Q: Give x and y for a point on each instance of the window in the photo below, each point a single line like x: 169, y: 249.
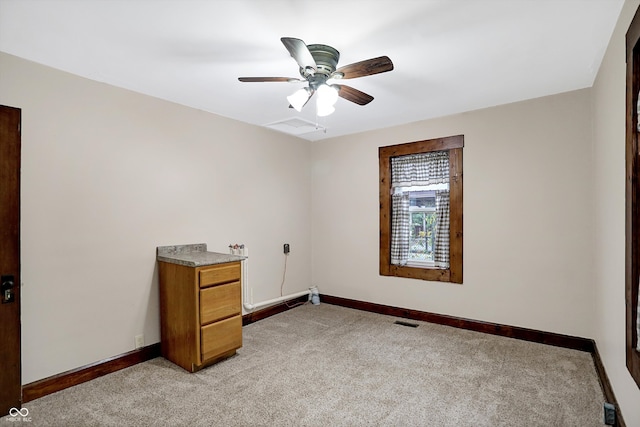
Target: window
x: 632, y: 195
x: 421, y: 209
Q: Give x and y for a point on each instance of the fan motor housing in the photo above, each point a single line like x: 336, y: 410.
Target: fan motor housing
x: 326, y: 59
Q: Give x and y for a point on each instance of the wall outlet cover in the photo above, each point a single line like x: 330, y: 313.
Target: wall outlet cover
x: 139, y: 339
x: 609, y: 414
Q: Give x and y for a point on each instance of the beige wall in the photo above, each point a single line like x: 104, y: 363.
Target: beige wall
x: 609, y: 217
x: 527, y: 237
x: 108, y: 175
x: 543, y: 217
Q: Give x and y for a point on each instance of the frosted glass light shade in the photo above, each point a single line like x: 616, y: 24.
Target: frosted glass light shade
x: 299, y: 98
x: 327, y: 97
x: 324, y: 110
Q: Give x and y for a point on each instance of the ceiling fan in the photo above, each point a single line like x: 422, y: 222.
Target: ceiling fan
x: 318, y: 64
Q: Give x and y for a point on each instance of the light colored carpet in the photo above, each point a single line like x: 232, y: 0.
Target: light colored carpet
x: 333, y: 366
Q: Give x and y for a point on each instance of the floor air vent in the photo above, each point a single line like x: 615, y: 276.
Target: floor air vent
x: 409, y: 324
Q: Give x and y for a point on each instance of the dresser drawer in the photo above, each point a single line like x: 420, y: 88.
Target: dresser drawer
x: 218, y: 302
x: 221, y: 273
x: 221, y: 337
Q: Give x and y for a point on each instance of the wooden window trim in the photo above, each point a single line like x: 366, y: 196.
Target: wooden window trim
x: 454, y: 145
x: 632, y: 199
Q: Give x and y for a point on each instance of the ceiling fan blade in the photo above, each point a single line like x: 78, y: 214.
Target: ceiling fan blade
x: 270, y: 79
x: 300, y: 52
x: 354, y: 95
x: 368, y: 67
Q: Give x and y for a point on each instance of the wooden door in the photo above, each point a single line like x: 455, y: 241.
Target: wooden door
x: 632, y: 196
x: 10, y: 378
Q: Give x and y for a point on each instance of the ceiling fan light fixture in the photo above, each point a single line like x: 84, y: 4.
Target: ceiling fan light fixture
x: 299, y: 98
x: 324, y: 110
x: 327, y: 97
x: 318, y: 67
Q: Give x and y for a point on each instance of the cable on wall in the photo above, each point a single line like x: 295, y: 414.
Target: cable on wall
x: 284, y: 275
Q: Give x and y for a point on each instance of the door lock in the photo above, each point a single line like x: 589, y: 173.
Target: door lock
x: 7, y: 291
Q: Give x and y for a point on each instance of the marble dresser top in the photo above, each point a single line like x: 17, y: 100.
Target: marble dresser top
x: 195, y: 255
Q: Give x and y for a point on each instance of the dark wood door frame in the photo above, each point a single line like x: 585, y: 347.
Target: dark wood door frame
x: 10, y: 375
x: 632, y: 197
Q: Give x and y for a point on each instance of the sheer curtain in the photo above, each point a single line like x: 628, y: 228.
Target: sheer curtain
x: 413, y: 170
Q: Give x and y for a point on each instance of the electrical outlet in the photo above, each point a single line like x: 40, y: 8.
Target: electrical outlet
x: 609, y: 414
x: 287, y: 248
x: 139, y: 341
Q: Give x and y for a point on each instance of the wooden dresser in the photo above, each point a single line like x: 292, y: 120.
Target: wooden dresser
x: 200, y: 306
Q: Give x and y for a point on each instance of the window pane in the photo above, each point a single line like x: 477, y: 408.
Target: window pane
x: 421, y: 236
x: 422, y: 199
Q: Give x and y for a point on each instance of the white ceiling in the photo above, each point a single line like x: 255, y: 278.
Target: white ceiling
x: 450, y: 56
